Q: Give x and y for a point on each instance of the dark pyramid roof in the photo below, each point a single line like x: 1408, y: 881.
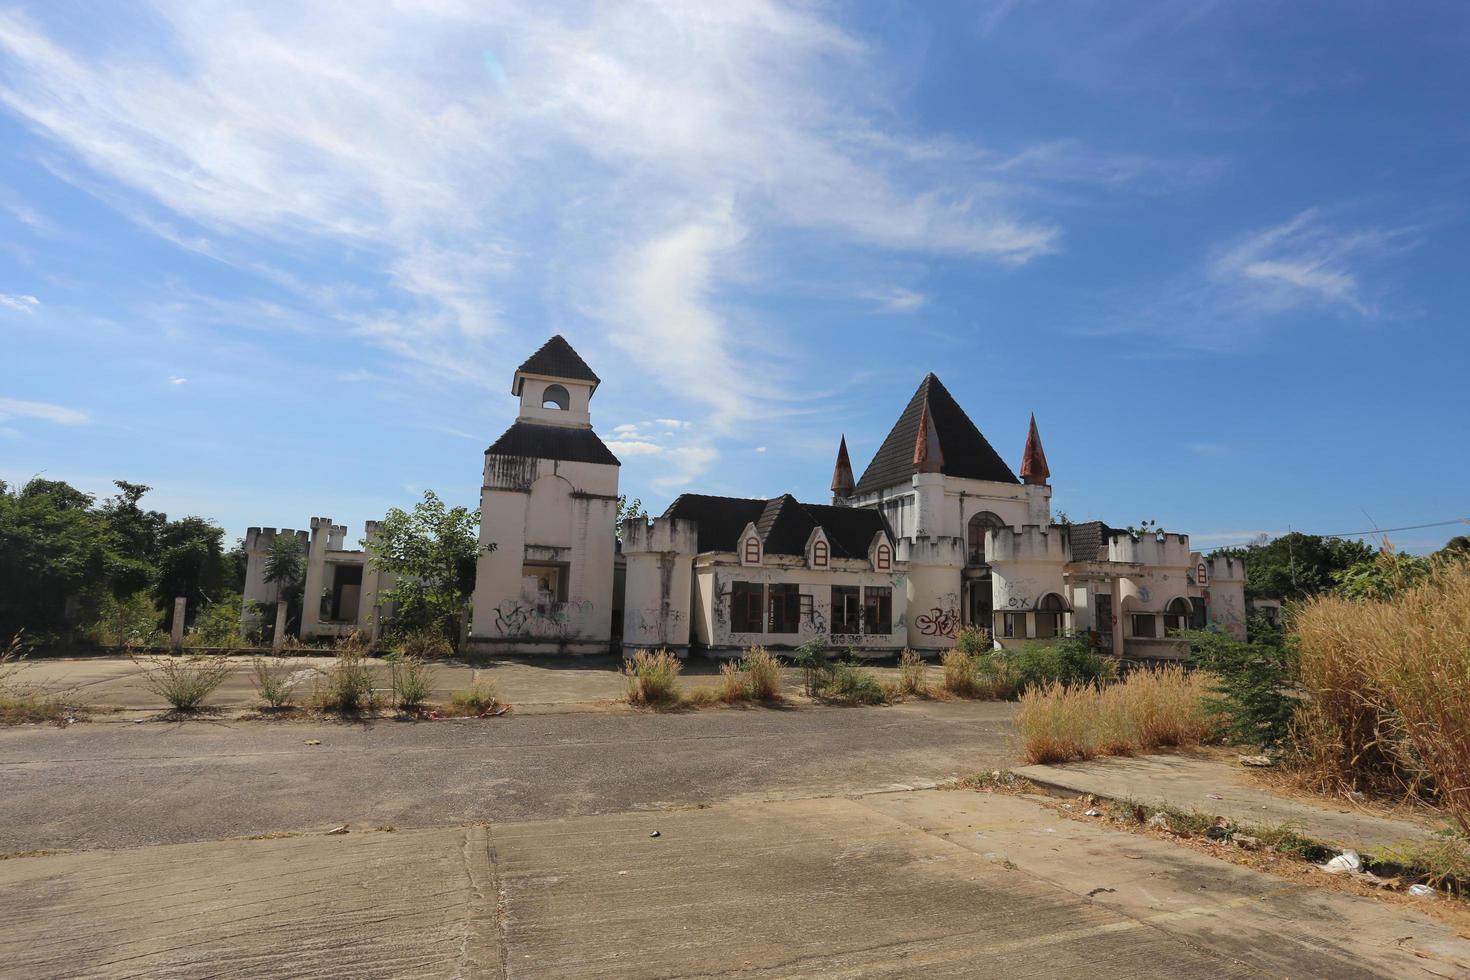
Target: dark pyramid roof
x: 552, y: 442
x: 556, y: 359
x: 1089, y: 541
x: 965, y: 451
x: 783, y: 522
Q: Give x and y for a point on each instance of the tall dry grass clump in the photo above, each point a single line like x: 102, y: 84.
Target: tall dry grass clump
x: 350, y: 685
x: 650, y: 677
x: 913, y: 674
x: 961, y: 675
x: 184, y: 682
x: 762, y: 674
x: 1152, y: 709
x: 1389, y: 691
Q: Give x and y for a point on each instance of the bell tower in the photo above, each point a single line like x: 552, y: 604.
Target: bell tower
x: 555, y: 386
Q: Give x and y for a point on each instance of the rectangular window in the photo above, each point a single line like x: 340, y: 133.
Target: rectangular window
x: 1143, y: 625
x: 544, y: 584
x: 877, y: 609
x: 747, y: 607
x: 1013, y: 625
x: 846, y: 610
x: 785, y: 605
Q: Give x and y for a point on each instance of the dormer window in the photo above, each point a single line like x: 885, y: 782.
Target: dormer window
x: 819, y: 554
x: 555, y: 396
x: 752, y: 551
x: 884, y: 558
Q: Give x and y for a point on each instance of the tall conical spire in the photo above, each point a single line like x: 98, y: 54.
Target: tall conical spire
x: 1033, y: 462
x: 928, y: 458
x: 842, y: 481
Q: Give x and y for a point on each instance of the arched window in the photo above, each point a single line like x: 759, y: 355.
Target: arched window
x: 1049, y: 613
x: 1176, y: 615
x: 555, y: 396
x: 979, y: 524
x: 819, y: 554
x: 752, y: 551
x: 885, y: 558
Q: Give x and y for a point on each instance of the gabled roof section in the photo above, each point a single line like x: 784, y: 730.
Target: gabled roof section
x: 532, y: 441
x: 965, y: 451
x: 784, y: 523
x: 556, y: 359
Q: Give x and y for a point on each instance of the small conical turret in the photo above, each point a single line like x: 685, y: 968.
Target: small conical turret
x: 842, y: 481
x: 928, y: 458
x: 1033, y: 462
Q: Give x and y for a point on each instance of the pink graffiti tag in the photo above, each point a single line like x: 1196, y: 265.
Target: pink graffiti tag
x: 937, y: 622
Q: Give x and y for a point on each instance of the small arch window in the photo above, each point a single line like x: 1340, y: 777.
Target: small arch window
x: 1049, y: 616
x: 555, y: 396
x: 752, y: 551
x: 885, y: 558
x: 1176, y: 615
x: 819, y: 554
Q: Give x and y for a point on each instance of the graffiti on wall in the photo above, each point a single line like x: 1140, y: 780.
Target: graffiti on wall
x: 559, y: 619
x: 938, y: 622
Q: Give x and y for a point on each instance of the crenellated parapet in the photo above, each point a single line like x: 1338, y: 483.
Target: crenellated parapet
x: 1149, y: 549
x: 1031, y: 542
x: 664, y: 535
x: 262, y: 538
x: 1225, y: 568
x: 926, y: 550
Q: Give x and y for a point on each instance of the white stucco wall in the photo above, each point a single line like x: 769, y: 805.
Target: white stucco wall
x: 659, y: 589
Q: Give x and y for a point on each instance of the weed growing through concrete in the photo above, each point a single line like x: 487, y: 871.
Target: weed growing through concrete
x: 20, y: 703
x: 650, y: 678
x: 185, y: 682
x: 473, y: 702
x: 411, y: 683
x: 349, y: 686
x: 271, y: 676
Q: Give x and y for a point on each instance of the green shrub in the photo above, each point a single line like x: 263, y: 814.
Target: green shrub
x: 184, y: 682
x: 851, y: 684
x: 424, y: 645
x: 412, y: 683
x: 1257, y: 684
x: 1066, y: 660
x: 128, y: 622
x: 218, y: 626
x: 815, y: 664
x: 973, y: 641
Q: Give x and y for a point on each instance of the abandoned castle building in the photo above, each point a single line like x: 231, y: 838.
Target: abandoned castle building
x: 938, y: 534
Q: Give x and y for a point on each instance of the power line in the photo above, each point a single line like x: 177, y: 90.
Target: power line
x: 1358, y: 534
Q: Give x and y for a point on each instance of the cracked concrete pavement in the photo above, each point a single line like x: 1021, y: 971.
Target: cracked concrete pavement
x: 790, y: 843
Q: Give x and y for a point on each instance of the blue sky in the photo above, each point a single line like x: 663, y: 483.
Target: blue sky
x: 280, y: 259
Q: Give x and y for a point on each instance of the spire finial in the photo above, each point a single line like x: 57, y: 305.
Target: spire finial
x: 842, y: 481
x: 1033, y: 462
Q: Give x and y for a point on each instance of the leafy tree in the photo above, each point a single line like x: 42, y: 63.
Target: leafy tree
x: 53, y: 547
x: 431, y: 552
x: 1297, y: 566
x: 285, y: 568
x: 629, y: 511
x: 1456, y: 547
x: 1382, y: 576
x: 136, y: 534
x: 191, y: 563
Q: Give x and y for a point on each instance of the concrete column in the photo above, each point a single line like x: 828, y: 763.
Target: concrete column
x: 278, y: 638
x: 1117, y: 624
x: 177, y: 640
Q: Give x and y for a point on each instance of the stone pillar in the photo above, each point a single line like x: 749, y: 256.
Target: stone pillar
x: 1117, y: 623
x: 278, y: 638
x: 177, y: 640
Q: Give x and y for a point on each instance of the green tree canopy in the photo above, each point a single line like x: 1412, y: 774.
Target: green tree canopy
x: 1296, y: 565
x: 432, y: 552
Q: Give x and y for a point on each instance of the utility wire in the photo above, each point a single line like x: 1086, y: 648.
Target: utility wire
x: 1359, y: 534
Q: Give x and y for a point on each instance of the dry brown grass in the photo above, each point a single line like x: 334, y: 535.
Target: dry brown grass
x: 961, y: 677
x: 350, y: 685
x: 913, y: 675
x: 762, y: 674
x: 1389, y: 692
x: 475, y: 701
x: 1150, y: 710
x: 185, y: 682
x: 650, y: 678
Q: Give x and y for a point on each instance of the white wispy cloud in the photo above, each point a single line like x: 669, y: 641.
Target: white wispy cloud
x: 897, y: 300
x: 1305, y: 261
x: 174, y: 379
x: 19, y: 302
x: 648, y: 148
x: 14, y: 408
